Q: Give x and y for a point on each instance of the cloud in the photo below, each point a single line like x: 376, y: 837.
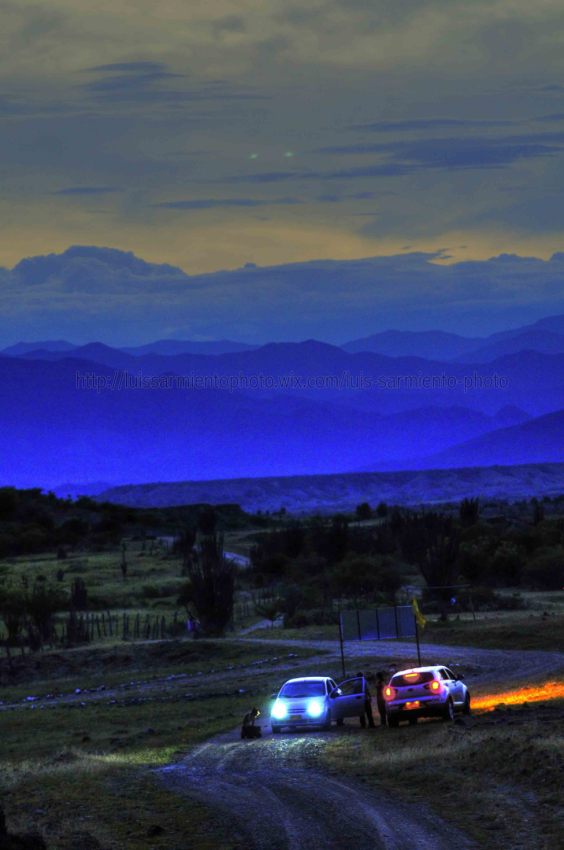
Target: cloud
x: 132, y: 67
x: 142, y: 83
x: 422, y: 124
x: 214, y: 203
x: 94, y: 95
x: 554, y: 117
x: 132, y: 300
x: 87, y: 190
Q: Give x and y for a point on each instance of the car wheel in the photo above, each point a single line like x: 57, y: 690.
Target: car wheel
x: 448, y: 713
x: 276, y: 730
x: 327, y: 724
x: 467, y: 709
x: 393, y: 721
x: 340, y: 722
x: 413, y: 721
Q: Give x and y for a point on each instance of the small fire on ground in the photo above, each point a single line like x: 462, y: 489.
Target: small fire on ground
x: 534, y: 693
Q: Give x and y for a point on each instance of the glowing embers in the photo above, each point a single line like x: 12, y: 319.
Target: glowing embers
x: 533, y: 693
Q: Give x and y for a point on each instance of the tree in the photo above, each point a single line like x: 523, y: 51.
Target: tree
x: 363, y: 511
x: 538, y: 511
x: 469, y: 512
x: 123, y: 563
x: 79, y: 595
x: 42, y: 603
x: 212, y: 578
x: 432, y: 541
x: 270, y: 610
x: 13, y: 612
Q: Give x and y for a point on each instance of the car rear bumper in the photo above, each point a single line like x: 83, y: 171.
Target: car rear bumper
x: 416, y: 708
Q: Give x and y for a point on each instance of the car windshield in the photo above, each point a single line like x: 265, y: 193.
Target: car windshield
x: 303, y: 689
x: 402, y: 680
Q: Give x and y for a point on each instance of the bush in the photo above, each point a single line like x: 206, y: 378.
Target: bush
x: 545, y: 571
x: 311, y: 617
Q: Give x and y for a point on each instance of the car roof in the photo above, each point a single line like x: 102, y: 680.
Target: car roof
x: 308, y: 679
x: 430, y: 669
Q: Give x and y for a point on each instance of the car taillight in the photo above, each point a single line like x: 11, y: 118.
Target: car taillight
x: 389, y: 692
x: 435, y: 686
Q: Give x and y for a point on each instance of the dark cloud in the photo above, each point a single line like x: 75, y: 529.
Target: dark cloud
x: 391, y: 169
x: 150, y: 83
x: 131, y: 67
x: 328, y: 198
x: 460, y: 152
x: 213, y: 203
x: 421, y: 124
x: 87, y: 190
x: 230, y: 23
x: 556, y: 116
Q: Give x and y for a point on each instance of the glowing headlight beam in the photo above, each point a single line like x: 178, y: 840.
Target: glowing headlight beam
x: 279, y: 710
x: 315, y: 708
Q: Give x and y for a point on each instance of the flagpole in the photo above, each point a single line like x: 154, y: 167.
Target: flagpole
x: 341, y: 645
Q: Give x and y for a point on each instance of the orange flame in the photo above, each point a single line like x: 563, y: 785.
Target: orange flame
x: 534, y: 693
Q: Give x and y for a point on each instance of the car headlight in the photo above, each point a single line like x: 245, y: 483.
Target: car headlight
x: 315, y: 708
x: 279, y: 710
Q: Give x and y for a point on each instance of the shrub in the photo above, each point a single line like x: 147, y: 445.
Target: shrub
x: 311, y: 617
x: 545, y: 571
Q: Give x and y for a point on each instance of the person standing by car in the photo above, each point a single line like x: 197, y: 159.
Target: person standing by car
x: 380, y: 701
x: 365, y: 690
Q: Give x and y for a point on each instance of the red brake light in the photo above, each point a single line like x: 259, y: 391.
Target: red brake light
x: 389, y: 692
x: 435, y: 685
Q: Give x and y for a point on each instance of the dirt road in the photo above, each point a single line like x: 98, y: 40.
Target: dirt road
x: 270, y: 796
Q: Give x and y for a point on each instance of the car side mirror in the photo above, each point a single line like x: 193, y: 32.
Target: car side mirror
x: 274, y: 696
x: 335, y: 693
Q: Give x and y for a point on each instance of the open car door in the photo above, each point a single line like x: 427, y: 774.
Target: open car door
x: 348, y: 699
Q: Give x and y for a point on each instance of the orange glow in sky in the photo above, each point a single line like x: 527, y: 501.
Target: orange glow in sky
x: 534, y: 693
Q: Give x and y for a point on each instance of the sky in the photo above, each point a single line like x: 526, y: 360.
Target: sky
x: 211, y: 135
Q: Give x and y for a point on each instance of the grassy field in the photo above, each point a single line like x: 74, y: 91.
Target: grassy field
x: 152, y: 584
x: 81, y: 772
x: 497, y: 776
x: 540, y: 626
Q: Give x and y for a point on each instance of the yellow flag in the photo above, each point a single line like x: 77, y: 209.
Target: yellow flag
x: 421, y: 621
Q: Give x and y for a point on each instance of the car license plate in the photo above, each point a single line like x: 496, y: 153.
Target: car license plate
x: 295, y: 717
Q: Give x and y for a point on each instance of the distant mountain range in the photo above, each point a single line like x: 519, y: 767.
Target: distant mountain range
x: 329, y: 493
x: 55, y: 427
x: 167, y: 347
x: 545, y: 336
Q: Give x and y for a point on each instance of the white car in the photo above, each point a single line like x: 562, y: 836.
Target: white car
x: 425, y: 692
x: 316, y: 701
